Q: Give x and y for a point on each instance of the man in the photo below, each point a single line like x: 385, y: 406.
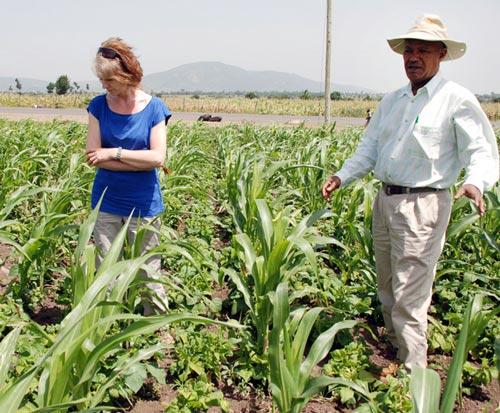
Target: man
x: 417, y: 143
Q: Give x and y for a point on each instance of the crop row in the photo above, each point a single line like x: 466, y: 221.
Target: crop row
x: 265, y: 280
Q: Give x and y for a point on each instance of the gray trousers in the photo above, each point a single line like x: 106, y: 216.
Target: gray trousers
x: 408, y: 234
x: 107, y: 227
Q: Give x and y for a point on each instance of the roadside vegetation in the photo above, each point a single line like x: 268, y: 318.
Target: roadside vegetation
x: 298, y: 104
x: 272, y: 291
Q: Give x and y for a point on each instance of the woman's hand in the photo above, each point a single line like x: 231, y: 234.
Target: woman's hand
x: 97, y: 156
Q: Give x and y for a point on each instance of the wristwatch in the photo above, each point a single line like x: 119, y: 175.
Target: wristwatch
x: 118, y: 153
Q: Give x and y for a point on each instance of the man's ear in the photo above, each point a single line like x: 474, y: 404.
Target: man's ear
x: 443, y: 52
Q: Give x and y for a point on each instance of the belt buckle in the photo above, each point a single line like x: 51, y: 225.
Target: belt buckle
x: 389, y: 190
x: 396, y: 190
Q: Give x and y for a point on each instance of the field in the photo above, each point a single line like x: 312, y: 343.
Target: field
x: 210, y: 104
x: 272, y: 291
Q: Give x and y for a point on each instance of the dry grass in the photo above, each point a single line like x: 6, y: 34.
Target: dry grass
x: 210, y: 104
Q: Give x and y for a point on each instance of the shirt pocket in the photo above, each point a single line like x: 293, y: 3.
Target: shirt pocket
x: 427, y: 142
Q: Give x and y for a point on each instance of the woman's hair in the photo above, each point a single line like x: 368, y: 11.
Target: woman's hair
x: 115, y: 60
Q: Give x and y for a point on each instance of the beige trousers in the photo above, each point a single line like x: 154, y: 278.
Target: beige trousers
x: 107, y: 227
x: 408, y: 234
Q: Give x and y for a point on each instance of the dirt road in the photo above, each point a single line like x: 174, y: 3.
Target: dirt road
x: 80, y: 115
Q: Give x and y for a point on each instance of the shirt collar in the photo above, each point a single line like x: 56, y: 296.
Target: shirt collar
x: 430, y: 87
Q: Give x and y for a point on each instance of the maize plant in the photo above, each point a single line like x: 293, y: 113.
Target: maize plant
x: 292, y: 380
x: 279, y: 251
x: 86, y: 336
x: 425, y: 386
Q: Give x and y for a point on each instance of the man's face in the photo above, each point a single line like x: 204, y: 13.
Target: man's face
x: 421, y: 60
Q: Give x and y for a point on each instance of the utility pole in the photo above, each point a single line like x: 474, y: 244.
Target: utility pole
x: 328, y: 59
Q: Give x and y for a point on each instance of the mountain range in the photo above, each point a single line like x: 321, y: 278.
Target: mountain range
x: 201, y: 77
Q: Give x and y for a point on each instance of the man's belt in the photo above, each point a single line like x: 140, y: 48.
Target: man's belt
x: 400, y: 190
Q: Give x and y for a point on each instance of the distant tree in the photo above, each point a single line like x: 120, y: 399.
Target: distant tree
x: 50, y: 87
x: 495, y: 98
x: 335, y: 95
x: 306, y: 95
x: 62, y: 85
x: 251, y: 95
x: 19, y: 86
x: 281, y: 95
x: 76, y: 87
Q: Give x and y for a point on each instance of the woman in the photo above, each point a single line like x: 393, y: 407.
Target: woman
x: 126, y: 142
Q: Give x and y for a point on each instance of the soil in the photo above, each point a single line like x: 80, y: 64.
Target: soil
x: 485, y: 400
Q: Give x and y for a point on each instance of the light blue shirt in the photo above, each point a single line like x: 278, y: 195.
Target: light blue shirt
x: 427, y: 139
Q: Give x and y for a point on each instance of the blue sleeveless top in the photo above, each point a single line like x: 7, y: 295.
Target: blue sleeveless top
x: 128, y: 191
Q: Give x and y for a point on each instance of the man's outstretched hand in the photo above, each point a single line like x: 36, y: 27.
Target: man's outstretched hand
x: 472, y: 192
x: 329, y: 186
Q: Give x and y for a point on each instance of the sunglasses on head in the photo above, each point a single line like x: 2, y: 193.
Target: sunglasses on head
x: 108, y: 53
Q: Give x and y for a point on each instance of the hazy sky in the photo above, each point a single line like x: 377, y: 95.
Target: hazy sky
x: 45, y: 39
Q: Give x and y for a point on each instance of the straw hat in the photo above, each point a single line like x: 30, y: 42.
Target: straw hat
x: 429, y: 27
